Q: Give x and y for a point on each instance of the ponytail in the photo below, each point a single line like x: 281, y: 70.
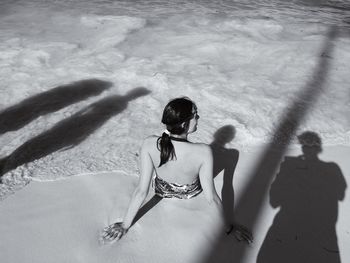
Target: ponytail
x: 166, y: 148
x: 176, y: 116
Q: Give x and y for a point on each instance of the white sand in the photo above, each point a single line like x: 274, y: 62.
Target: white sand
x: 59, y: 221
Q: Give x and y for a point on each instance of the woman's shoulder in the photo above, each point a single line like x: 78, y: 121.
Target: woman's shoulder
x: 150, y: 140
x: 202, y: 149
x: 201, y: 145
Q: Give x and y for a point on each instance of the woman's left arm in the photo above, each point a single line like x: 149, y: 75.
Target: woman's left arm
x: 118, y: 229
x: 141, y: 191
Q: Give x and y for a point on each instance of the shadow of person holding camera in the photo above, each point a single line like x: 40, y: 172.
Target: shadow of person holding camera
x: 307, y: 191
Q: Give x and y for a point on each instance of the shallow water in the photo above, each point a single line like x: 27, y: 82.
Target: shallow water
x: 243, y: 62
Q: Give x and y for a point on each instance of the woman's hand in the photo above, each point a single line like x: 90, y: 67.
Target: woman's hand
x: 240, y: 232
x: 113, y: 232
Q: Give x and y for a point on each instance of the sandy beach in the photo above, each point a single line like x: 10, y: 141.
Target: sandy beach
x: 84, y: 82
x: 59, y: 221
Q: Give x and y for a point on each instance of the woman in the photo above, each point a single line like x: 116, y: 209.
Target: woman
x: 183, y: 170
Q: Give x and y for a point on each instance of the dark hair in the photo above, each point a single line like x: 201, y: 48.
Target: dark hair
x: 176, y: 112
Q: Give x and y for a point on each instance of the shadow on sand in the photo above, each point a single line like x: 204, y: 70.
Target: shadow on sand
x: 249, y: 205
x: 225, y: 160
x: 146, y: 207
x: 17, y: 116
x: 307, y: 191
x: 70, y: 132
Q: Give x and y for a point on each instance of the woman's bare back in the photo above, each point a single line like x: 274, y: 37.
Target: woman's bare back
x: 183, y: 169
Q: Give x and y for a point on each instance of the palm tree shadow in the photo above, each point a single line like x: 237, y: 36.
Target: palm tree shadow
x: 225, y: 160
x: 249, y: 205
x: 307, y: 191
x: 72, y: 131
x: 17, y: 116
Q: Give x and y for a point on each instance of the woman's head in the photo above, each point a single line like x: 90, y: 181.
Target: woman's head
x: 180, y: 116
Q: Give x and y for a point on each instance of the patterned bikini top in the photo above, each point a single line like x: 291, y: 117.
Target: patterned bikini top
x: 182, y: 191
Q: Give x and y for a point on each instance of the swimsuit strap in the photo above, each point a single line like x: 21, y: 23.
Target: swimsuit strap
x: 178, y: 139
